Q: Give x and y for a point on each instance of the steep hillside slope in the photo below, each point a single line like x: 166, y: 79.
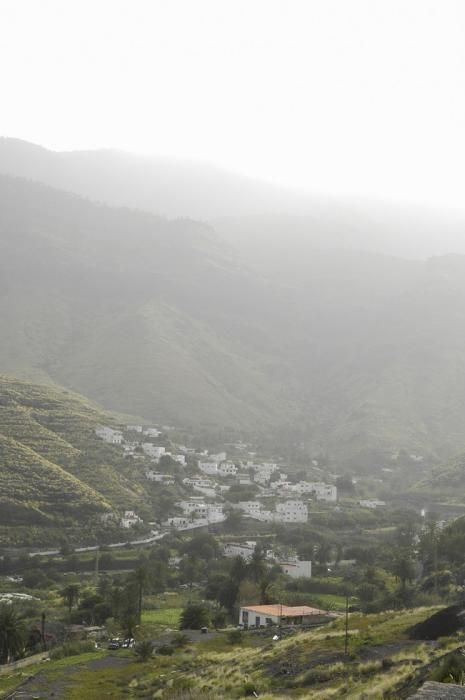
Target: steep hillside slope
x: 52, y: 467
x: 354, y: 354
x: 146, y: 316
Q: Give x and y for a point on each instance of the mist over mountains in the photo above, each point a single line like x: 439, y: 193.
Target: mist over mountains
x: 270, y: 317
x: 245, y: 210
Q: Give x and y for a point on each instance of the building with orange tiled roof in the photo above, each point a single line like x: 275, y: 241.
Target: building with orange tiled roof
x: 266, y: 615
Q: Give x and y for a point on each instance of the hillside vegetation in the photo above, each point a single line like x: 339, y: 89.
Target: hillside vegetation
x: 52, y: 468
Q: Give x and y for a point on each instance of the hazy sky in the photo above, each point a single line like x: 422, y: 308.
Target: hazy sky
x: 341, y: 96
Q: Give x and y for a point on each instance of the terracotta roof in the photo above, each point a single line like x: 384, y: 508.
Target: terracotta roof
x: 283, y: 610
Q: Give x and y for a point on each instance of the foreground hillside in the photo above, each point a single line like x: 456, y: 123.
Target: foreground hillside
x: 47, y: 474
x: 382, y: 663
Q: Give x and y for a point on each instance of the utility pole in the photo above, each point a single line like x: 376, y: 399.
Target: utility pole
x: 42, y: 631
x: 346, y: 638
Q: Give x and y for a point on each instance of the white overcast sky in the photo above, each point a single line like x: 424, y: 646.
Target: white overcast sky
x: 339, y: 96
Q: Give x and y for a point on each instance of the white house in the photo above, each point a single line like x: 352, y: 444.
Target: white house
x: 321, y: 491
x: 374, y: 503
x: 198, y: 482
x: 153, y: 451
x: 250, y: 507
x: 134, y: 428
x: 180, y: 459
x: 220, y: 457
x: 282, y: 484
x: 266, y: 615
x: 130, y: 519
x: 195, y: 504
x: 266, y: 516
x: 161, y: 478
x: 210, y: 468
x: 227, y: 469
x: 113, y: 437
x: 296, y: 568
x: 240, y: 549
x: 179, y: 523
x: 291, y: 512
x: 152, y: 432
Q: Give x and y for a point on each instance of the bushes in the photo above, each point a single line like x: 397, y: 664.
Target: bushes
x: 144, y: 650
x: 72, y: 649
x: 165, y: 650
x: 194, y: 616
x: 319, y: 585
x: 235, y: 637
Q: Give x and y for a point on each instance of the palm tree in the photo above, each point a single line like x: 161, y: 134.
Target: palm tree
x: 140, y: 577
x: 12, y: 635
x: 70, y: 595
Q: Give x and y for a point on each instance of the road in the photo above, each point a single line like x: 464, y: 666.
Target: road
x: 155, y: 536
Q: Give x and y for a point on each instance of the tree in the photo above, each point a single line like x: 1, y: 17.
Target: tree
x: 12, y: 636
x: 238, y: 570
x: 234, y: 522
x: 219, y: 618
x: 191, y: 569
x: 140, y: 577
x: 257, y: 565
x: 403, y: 569
x: 144, y: 650
x: 70, y: 595
x: 194, y: 616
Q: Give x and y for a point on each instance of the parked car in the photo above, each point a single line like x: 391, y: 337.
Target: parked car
x: 204, y: 630
x: 128, y: 643
x: 114, y: 644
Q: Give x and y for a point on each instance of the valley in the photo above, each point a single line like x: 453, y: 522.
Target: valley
x: 198, y: 427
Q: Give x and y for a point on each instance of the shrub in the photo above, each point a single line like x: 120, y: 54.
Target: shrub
x: 180, y: 640
x: 248, y: 690
x: 165, y: 650
x: 194, y: 616
x: 235, y: 637
x: 72, y: 649
x: 144, y: 650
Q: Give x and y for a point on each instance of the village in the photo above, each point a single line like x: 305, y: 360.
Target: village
x: 210, y: 478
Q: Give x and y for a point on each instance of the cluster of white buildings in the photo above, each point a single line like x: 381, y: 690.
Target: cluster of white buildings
x: 196, y: 507
x: 216, y: 474
x: 288, y: 511
x: 130, y: 447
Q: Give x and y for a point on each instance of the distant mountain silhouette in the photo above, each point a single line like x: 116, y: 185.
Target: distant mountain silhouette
x: 254, y: 209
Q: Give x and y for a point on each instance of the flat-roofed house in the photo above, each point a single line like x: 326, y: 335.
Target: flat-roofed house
x: 266, y: 615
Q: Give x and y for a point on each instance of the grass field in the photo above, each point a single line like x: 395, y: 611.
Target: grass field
x: 330, y: 600
x: 165, y: 617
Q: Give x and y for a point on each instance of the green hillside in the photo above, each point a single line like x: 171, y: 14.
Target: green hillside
x: 446, y: 480
x: 52, y: 467
x: 353, y: 354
